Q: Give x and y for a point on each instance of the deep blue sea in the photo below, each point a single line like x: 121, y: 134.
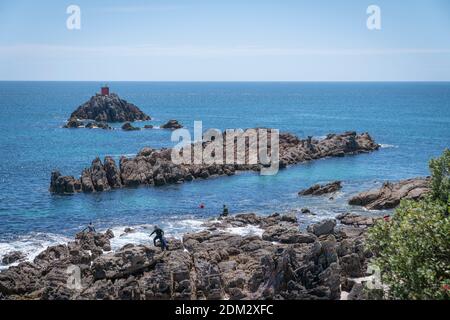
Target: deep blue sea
x: 410, y: 120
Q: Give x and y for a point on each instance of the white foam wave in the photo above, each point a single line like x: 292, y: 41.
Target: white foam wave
x: 127, y: 155
x: 141, y: 233
x: 385, y: 145
x: 31, y: 245
x: 249, y: 230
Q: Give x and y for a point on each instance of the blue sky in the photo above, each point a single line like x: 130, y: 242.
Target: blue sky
x: 229, y: 40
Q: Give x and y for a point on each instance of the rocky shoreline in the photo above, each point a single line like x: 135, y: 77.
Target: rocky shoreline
x: 282, y: 263
x: 155, y: 167
x: 390, y: 194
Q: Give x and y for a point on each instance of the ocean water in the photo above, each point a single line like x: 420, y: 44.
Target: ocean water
x: 410, y: 120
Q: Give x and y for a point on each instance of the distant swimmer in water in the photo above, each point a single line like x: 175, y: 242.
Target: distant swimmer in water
x: 89, y: 228
x: 202, y: 206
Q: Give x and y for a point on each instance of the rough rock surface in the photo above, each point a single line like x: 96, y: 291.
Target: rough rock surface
x: 317, y: 189
x: 172, y: 124
x: 75, y: 123
x: 129, y: 127
x: 390, y: 194
x: 211, y: 264
x: 155, y: 167
x: 322, y: 227
x: 108, y: 108
x: 356, y: 220
x: 12, y: 257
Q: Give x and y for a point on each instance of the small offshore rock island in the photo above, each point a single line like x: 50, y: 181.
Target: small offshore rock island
x: 105, y: 107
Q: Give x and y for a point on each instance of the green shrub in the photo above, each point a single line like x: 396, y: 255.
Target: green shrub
x: 412, y: 248
x: 440, y: 177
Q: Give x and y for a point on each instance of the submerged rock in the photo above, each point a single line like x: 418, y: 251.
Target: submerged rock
x: 317, y: 189
x: 108, y: 108
x: 390, y: 194
x: 99, y: 125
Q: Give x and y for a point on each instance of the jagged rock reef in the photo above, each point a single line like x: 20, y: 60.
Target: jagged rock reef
x: 390, y: 194
x: 107, y: 108
x: 155, y: 167
x: 212, y: 264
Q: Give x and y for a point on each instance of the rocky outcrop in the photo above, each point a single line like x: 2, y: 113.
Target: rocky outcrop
x: 64, y: 184
x: 390, y: 194
x: 75, y: 123
x: 12, y: 257
x: 129, y: 127
x: 211, y: 264
x: 172, y: 124
x: 317, y: 189
x: 108, y: 108
x: 356, y: 220
x: 155, y: 167
x: 323, y: 227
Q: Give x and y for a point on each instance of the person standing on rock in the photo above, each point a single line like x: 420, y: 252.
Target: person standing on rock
x: 159, y: 236
x: 224, y: 211
x: 89, y: 228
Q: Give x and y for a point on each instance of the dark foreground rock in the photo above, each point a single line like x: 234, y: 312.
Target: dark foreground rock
x: 317, y: 189
x: 322, y: 227
x: 13, y: 257
x: 212, y: 264
x: 156, y: 168
x: 390, y: 194
x: 108, y: 108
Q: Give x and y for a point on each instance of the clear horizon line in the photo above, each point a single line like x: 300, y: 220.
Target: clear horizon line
x: 262, y: 81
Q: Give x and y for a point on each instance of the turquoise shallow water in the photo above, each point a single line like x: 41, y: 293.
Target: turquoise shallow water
x: 410, y: 120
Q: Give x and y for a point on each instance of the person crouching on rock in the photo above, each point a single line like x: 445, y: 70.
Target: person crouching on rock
x: 89, y: 228
x: 224, y: 211
x: 159, y: 236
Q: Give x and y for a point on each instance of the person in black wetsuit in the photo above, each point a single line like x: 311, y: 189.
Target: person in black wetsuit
x: 159, y: 236
x: 89, y: 228
x: 225, y: 211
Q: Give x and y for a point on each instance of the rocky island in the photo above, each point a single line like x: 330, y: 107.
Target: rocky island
x: 105, y: 107
x: 212, y: 264
x: 154, y: 167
